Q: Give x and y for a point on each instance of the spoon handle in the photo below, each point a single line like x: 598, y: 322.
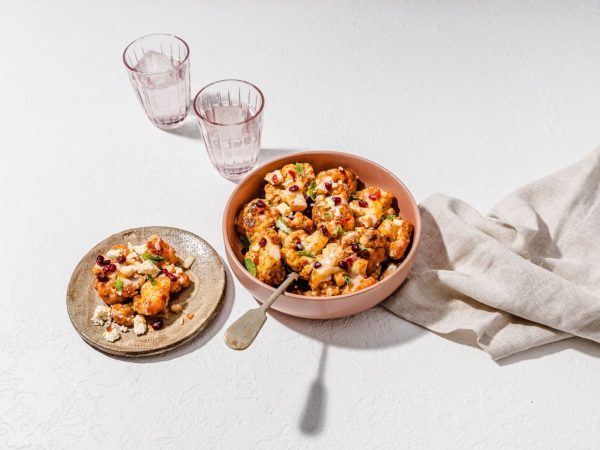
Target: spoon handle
x: 293, y: 276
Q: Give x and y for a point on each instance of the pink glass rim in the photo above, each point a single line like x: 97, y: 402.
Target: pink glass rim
x: 133, y: 69
x: 205, y: 119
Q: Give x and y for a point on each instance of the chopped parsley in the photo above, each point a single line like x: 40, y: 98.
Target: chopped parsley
x: 119, y: 285
x: 250, y: 266
x: 347, y: 279
x: 282, y: 226
x: 339, y: 230
x: 390, y: 217
x: 147, y: 256
x: 300, y: 168
x: 151, y: 279
x: 305, y: 253
x: 311, y: 190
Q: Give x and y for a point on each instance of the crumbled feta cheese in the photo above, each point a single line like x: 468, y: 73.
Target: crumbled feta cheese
x: 127, y: 271
x: 113, y: 254
x: 139, y: 325
x: 147, y: 268
x: 101, y: 315
x: 139, y: 249
x: 132, y: 256
x: 283, y: 209
x: 188, y: 262
x: 112, y: 335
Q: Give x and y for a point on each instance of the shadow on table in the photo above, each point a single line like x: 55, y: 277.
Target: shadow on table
x: 312, y: 419
x: 374, y: 328
x: 580, y: 345
x: 269, y: 154
x: 205, y: 335
x: 189, y: 129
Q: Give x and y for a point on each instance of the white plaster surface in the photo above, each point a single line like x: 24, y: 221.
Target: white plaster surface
x: 469, y: 98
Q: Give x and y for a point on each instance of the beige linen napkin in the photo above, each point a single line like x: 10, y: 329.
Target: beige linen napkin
x: 526, y: 274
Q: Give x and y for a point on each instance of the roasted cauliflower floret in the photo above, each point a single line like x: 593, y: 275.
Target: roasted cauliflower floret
x: 179, y: 279
x: 122, y: 314
x: 289, y: 185
x: 300, y: 250
x: 298, y: 221
x: 154, y: 297
x: 333, y: 215
x: 367, y: 243
x: 398, y: 233
x: 255, y: 216
x: 327, y: 266
x: 369, y: 205
x: 263, y: 259
x: 160, y: 248
x: 341, y: 182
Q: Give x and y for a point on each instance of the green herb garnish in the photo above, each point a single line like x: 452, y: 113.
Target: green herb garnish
x: 354, y: 197
x: 311, y: 190
x: 282, y: 226
x: 250, y: 266
x: 347, y: 279
x: 147, y: 256
x: 339, y: 230
x: 151, y: 279
x: 327, y: 215
x: 300, y: 168
x: 305, y: 253
x: 390, y: 217
x: 361, y: 247
x: 119, y: 285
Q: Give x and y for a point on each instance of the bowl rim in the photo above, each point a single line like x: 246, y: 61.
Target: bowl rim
x: 271, y: 289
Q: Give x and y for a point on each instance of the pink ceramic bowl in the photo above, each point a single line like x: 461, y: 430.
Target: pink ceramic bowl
x: 370, y: 174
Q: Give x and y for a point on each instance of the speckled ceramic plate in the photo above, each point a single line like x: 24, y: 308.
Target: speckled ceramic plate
x: 201, y: 298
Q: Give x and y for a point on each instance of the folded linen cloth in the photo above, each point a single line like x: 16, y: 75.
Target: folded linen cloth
x: 526, y: 274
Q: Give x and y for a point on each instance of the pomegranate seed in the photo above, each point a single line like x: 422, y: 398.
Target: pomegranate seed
x: 343, y: 264
x: 157, y: 324
x: 299, y: 245
x: 100, y: 260
x: 109, y: 268
x: 323, y: 230
x: 102, y: 278
x: 292, y: 174
x: 328, y: 185
x: 336, y: 200
x: 362, y: 204
x: 121, y: 259
x: 262, y: 242
x: 317, y: 264
x: 373, y: 196
x: 355, y: 248
x: 345, y: 219
x: 293, y: 188
x: 274, y: 179
x: 261, y: 204
x: 169, y: 275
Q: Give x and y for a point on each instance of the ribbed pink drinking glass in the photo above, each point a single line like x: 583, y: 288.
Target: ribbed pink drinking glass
x: 230, y: 116
x: 158, y: 67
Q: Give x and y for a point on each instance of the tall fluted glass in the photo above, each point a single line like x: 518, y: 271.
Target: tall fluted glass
x: 158, y: 67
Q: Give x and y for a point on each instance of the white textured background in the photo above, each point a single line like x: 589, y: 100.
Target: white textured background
x: 467, y: 98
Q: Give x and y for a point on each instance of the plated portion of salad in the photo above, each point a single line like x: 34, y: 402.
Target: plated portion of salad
x: 136, y: 282
x: 339, y: 236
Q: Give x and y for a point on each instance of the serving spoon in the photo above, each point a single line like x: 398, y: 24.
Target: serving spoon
x: 243, y: 331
